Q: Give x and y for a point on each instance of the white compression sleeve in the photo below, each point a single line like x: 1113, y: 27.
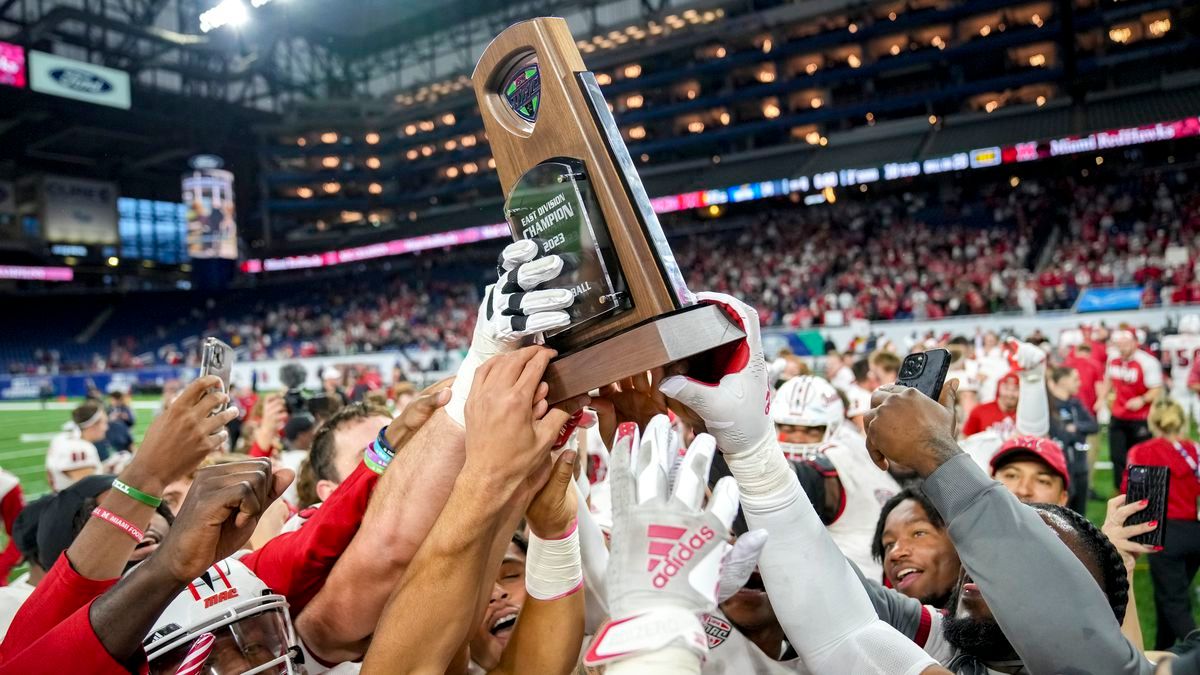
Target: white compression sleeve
x: 1033, y: 408
x: 667, y: 661
x: 817, y: 597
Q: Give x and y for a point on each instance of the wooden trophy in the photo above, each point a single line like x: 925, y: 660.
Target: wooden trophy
x: 571, y: 185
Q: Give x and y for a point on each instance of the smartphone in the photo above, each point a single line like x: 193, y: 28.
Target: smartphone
x: 216, y: 358
x: 1150, y: 483
x: 925, y: 371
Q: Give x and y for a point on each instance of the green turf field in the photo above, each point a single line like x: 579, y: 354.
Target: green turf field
x: 25, y: 430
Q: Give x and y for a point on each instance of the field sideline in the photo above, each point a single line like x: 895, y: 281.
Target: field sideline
x: 25, y: 430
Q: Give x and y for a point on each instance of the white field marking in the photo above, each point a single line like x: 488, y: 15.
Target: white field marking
x: 20, y: 454
x: 1104, y: 466
x: 38, y: 438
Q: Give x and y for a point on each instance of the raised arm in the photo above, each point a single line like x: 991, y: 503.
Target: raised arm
x: 553, y: 583
x: 418, y: 483
x: 814, y: 591
x: 997, y: 537
x: 509, y: 434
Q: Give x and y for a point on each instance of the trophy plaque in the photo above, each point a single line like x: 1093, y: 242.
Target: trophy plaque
x: 572, y: 187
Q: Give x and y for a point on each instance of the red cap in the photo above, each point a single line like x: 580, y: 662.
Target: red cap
x: 1047, y: 450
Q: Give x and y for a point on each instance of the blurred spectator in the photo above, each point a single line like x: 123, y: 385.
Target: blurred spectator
x: 1070, y: 425
x: 1173, y: 568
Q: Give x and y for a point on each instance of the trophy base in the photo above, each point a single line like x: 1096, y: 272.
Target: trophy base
x: 650, y: 344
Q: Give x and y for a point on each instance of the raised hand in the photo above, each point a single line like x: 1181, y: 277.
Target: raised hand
x: 1119, y: 534
x: 274, y: 416
x: 909, y: 428
x: 181, y: 437
x: 734, y: 402
x: 667, y: 551
x: 510, y: 428
x: 635, y: 399
x: 417, y: 413
x: 517, y: 306
x: 219, y: 515
x: 553, y: 508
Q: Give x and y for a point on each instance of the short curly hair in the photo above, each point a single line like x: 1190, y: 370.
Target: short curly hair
x: 1112, y: 569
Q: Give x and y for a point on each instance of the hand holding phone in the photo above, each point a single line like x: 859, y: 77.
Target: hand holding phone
x: 1151, y: 483
x: 925, y: 371
x: 216, y: 358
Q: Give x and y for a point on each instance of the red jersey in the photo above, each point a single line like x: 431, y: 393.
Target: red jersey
x: 53, y: 627
x: 1184, y: 488
x: 1090, y: 373
x: 296, y: 564
x: 1193, y: 377
x: 10, y: 505
x: 1132, y: 378
x: 985, y: 416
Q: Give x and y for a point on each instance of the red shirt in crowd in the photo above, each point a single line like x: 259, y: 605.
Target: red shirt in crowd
x: 985, y: 416
x: 1194, y: 374
x: 10, y: 505
x: 1184, y: 488
x: 1090, y: 373
x: 1131, y: 378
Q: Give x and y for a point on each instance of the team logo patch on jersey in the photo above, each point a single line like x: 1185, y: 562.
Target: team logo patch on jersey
x: 716, y: 630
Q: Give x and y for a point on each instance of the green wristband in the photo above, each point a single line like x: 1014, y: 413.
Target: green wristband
x: 136, y: 494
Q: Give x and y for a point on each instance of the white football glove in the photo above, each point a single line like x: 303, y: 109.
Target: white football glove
x: 666, y: 556
x: 736, y: 410
x: 740, y: 562
x: 513, y: 308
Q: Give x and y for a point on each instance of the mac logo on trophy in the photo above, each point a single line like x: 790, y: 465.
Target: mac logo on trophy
x: 571, y: 186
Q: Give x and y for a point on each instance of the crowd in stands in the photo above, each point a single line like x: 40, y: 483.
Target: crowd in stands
x: 920, y: 255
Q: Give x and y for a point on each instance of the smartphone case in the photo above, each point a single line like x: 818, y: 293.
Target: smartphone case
x: 933, y: 366
x: 1153, y: 485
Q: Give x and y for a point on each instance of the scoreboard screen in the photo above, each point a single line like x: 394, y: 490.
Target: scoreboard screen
x: 153, y: 230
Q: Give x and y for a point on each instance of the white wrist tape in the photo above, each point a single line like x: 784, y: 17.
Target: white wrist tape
x: 766, y: 481
x: 461, y: 388
x: 553, y: 568
x: 648, y: 633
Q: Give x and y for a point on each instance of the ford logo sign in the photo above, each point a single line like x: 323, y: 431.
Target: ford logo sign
x: 81, y: 80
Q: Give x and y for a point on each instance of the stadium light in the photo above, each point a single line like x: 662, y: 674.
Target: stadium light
x: 375, y: 189
x: 448, y: 119
x: 329, y: 137
x: 633, y: 70
x: 227, y: 13
x: 695, y: 127
x: 412, y: 154
x: 771, y: 111
x: 113, y: 261
x: 410, y: 129
x: 854, y: 61
x: 452, y: 172
x: 304, y: 193
x: 724, y: 118
x: 1014, y: 181
x: 1159, y: 27
x: 634, y: 101
x: 426, y: 151
x: 637, y: 133
x: 1037, y: 60
x: 470, y: 168
x: 468, y: 141
x: 372, y: 138
x: 491, y: 162
x: 373, y: 163
x: 853, y: 28
x: 330, y: 162
x: 450, y: 144
x: 603, y: 79
x: 1041, y: 101
x: 331, y: 187
x: 767, y: 45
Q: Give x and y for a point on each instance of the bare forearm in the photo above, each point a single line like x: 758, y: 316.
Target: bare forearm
x: 125, y: 614
x: 101, y: 550
x: 547, y: 639
x: 404, y: 506
x: 1131, y: 627
x: 442, y: 586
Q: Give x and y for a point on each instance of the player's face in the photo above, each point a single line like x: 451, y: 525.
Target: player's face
x: 155, y: 533
x: 1126, y: 346
x: 792, y: 433
x: 352, y: 441
x: 500, y: 617
x: 1033, y: 482
x: 918, y: 558
x: 175, y: 493
x: 1007, y: 394
x: 1071, y: 383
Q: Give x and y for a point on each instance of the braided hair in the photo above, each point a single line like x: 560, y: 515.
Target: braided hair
x: 1115, y: 584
